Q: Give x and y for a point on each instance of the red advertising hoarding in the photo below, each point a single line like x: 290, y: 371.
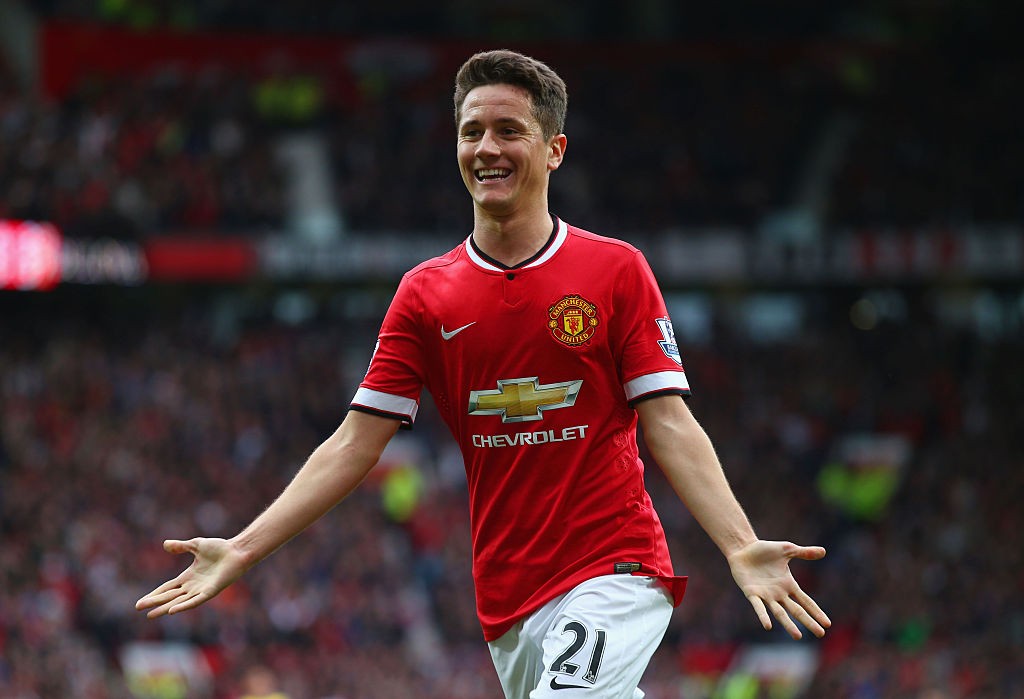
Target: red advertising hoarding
x: 30, y: 255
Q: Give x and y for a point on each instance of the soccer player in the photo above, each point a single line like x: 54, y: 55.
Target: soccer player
x: 543, y: 346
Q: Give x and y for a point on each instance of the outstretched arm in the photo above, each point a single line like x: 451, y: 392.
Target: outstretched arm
x: 760, y: 568
x: 332, y: 471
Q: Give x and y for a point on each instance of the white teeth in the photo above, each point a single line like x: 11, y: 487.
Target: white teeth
x: 492, y: 172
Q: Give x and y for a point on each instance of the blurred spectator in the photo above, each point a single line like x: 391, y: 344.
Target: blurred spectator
x: 260, y: 683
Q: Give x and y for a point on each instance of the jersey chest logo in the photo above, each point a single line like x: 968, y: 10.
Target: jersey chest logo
x: 573, y: 320
x: 523, y: 400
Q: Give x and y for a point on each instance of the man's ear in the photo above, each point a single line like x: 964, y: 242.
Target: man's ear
x: 556, y: 151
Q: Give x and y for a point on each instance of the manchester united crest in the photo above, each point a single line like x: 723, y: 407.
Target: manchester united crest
x: 573, y: 320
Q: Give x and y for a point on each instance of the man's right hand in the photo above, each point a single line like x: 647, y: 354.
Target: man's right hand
x: 216, y: 564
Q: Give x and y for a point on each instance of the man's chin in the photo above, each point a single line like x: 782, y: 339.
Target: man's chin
x: 494, y: 205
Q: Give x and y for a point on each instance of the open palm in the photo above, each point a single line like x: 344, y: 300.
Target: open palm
x: 216, y: 564
x: 761, y: 569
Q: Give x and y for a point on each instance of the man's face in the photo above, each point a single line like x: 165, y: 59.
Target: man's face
x: 503, y: 155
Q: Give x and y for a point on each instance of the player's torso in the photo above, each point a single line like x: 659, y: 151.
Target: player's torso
x: 527, y: 368
x: 522, y: 358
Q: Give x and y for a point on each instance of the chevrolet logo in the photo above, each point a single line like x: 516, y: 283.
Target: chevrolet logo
x: 522, y: 400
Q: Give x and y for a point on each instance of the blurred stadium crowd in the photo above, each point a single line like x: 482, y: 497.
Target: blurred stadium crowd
x: 155, y: 423
x: 862, y: 133
x: 130, y: 416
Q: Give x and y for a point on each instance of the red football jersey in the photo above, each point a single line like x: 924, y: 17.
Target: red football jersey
x: 534, y: 370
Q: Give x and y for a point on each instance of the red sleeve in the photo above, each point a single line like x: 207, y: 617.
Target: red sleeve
x: 395, y: 378
x: 649, y: 359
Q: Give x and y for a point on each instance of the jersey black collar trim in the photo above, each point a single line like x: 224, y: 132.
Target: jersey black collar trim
x: 544, y: 248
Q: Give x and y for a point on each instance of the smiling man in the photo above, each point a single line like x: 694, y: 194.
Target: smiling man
x: 506, y: 156
x: 544, y: 346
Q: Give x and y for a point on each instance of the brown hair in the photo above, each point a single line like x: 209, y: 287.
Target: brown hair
x: 548, y: 95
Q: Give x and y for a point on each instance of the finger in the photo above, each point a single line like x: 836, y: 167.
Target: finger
x: 808, y: 603
x: 160, y: 591
x: 168, y: 591
x: 762, y: 613
x: 800, y: 614
x: 157, y: 612
x: 171, y: 584
x: 779, y: 613
x: 161, y: 609
x: 190, y: 601
x: 177, y: 601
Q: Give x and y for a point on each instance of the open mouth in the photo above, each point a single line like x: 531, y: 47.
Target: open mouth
x: 492, y: 174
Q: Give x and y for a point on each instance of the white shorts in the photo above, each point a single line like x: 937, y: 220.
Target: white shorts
x: 595, y: 641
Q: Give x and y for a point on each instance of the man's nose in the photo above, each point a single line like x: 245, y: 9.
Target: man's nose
x: 489, y: 144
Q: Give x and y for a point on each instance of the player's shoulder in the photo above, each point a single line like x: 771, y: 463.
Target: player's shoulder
x: 602, y: 244
x: 438, y: 263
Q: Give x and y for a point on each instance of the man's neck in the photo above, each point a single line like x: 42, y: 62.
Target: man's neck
x: 512, y: 240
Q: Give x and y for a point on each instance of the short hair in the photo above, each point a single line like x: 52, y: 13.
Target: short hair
x: 548, y: 96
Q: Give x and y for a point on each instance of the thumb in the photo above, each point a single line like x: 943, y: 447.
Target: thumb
x: 178, y: 546
x: 808, y: 553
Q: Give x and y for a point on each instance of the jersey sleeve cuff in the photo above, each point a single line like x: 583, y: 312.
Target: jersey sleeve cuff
x: 655, y: 394
x: 389, y: 405
x: 657, y: 384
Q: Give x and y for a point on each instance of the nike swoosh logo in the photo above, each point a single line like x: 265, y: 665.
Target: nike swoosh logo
x: 556, y: 685
x: 449, y: 335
